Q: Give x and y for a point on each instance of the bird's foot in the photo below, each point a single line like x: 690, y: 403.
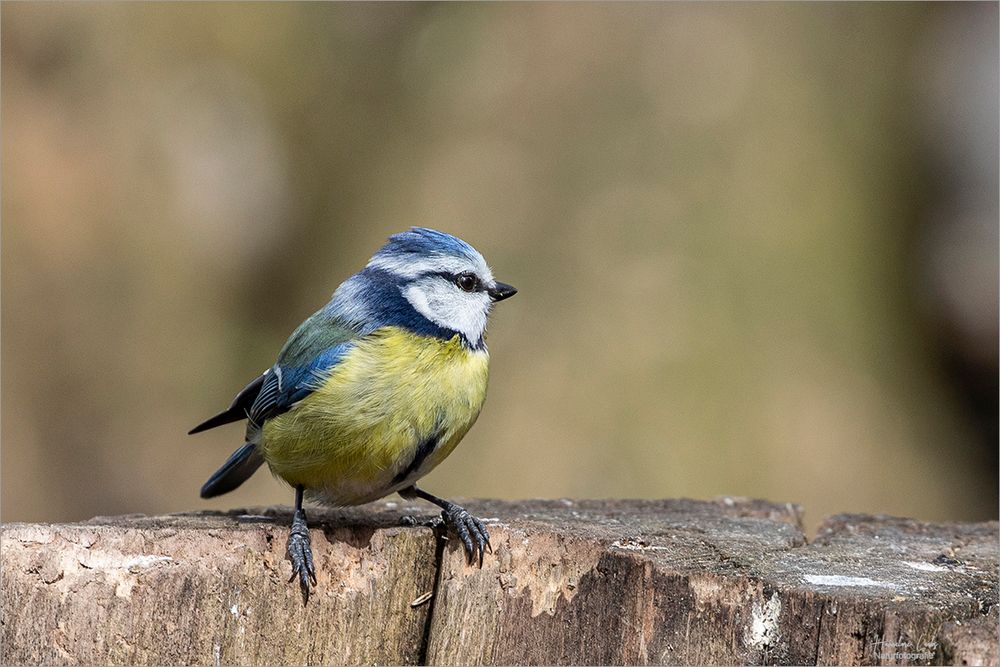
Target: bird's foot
x: 471, y: 531
x: 434, y: 522
x: 300, y: 553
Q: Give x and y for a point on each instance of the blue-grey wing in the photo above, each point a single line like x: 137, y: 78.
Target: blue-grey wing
x: 284, y: 386
x: 315, y: 348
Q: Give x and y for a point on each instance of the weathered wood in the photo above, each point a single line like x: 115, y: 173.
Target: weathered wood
x: 586, y: 582
x: 212, y: 589
x: 970, y: 642
x: 682, y: 582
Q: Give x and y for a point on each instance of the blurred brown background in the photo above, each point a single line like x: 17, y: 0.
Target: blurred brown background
x: 756, y: 244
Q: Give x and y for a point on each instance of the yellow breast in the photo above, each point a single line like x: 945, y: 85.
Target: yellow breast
x: 352, y: 438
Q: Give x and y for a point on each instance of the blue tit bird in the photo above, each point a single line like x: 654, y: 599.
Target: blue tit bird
x: 375, y: 389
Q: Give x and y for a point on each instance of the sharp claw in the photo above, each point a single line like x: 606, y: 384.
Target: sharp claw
x: 477, y: 529
x: 483, y: 538
x: 470, y: 550
x: 305, y: 593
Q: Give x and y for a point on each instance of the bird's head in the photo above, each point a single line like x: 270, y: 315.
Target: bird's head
x: 444, y: 278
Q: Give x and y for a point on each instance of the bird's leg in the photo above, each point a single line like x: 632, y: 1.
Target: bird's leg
x: 470, y: 530
x: 300, y: 548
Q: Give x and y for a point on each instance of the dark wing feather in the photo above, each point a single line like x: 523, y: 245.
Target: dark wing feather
x: 268, y: 401
x: 287, y: 385
x: 238, y: 409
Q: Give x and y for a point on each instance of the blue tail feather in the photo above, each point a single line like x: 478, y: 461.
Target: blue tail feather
x: 236, y: 470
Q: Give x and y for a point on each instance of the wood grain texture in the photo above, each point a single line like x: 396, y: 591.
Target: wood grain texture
x: 211, y: 589
x: 731, y: 581
x: 728, y: 582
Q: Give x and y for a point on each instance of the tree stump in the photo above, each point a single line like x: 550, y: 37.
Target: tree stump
x: 731, y: 581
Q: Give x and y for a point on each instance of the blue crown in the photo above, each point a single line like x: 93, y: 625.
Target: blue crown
x: 423, y: 242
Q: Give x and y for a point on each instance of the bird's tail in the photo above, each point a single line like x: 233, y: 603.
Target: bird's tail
x: 239, y: 409
x: 236, y: 470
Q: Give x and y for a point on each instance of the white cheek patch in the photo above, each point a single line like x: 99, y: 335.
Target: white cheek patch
x: 446, y: 306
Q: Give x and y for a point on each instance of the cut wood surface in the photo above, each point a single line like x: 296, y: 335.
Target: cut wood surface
x: 730, y: 581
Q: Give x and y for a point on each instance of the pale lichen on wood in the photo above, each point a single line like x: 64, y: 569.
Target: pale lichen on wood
x: 569, y: 582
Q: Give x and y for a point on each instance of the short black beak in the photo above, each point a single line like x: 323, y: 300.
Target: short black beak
x: 501, y: 291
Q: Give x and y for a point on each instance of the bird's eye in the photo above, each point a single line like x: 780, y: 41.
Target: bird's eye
x: 467, y: 282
